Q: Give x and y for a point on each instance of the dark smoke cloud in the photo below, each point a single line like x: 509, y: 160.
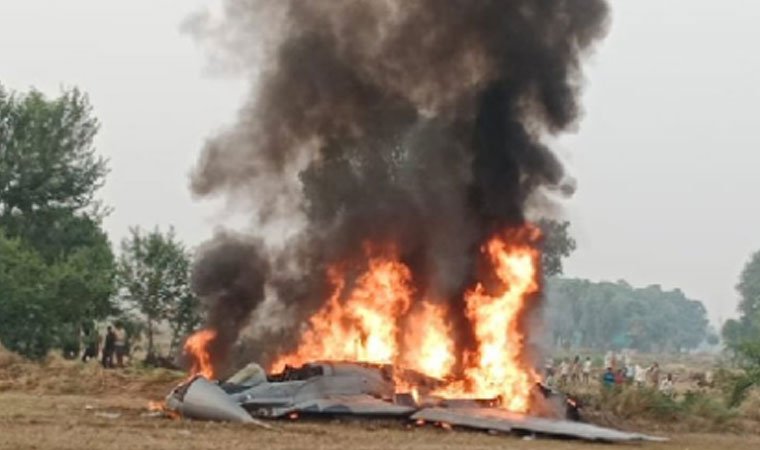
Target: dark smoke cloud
x: 229, y: 275
x: 417, y: 122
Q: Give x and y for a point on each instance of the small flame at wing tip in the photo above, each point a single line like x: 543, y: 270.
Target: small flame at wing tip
x: 160, y: 407
x: 197, y: 349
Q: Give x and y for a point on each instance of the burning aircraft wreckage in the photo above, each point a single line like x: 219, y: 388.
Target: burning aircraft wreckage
x: 497, y: 391
x: 338, y: 389
x: 393, y: 158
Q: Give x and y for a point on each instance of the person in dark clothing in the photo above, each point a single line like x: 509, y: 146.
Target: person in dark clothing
x: 608, y: 380
x: 91, y: 342
x: 108, y: 348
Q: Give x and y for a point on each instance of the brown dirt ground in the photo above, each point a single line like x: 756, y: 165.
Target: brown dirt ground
x: 43, y: 421
x: 67, y: 405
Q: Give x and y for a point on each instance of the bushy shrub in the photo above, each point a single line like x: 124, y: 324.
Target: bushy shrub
x: 693, y: 408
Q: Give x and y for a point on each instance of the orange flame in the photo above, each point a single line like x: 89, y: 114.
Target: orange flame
x: 196, y: 347
x: 160, y: 407
x: 361, y: 327
x: 155, y: 406
x: 428, y: 347
x: 498, y: 369
x: 372, y: 320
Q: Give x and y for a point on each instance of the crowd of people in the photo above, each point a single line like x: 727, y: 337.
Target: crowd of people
x: 618, y: 370
x: 112, y: 346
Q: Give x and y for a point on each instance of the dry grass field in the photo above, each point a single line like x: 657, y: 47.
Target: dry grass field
x: 32, y: 421
x: 67, y: 405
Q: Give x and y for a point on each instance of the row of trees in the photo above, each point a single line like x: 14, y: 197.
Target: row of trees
x: 605, y: 316
x: 58, y: 273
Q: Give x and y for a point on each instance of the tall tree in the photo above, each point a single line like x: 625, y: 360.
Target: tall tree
x: 742, y: 336
x: 49, y: 176
x: 558, y: 244
x: 737, y: 332
x: 47, y: 158
x: 749, y: 289
x: 154, y: 278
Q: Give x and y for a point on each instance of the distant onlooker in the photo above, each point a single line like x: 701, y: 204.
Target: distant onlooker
x: 709, y: 378
x: 575, y: 370
x: 609, y: 359
x: 550, y: 380
x: 630, y: 372
x: 108, y: 348
x: 549, y: 366
x: 654, y: 375
x: 640, y: 376
x: 91, y: 343
x: 564, y: 372
x: 625, y: 358
x: 587, y: 370
x: 667, y: 387
x: 608, y: 379
x: 620, y: 377
x: 120, y: 344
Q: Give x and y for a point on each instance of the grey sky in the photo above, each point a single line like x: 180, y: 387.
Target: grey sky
x: 666, y: 156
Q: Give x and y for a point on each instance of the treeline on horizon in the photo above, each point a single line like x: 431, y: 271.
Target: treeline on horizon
x: 611, y: 316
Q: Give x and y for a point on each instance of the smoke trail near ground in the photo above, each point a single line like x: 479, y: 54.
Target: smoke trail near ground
x: 412, y: 122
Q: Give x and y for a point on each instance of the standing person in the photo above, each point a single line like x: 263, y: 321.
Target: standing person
x: 630, y: 373
x: 587, y: 371
x: 108, y: 348
x: 550, y: 380
x: 575, y: 371
x: 624, y: 358
x: 120, y: 344
x: 608, y: 379
x: 709, y: 378
x: 667, y: 386
x: 640, y: 376
x: 91, y: 342
x: 609, y: 359
x: 564, y: 372
x: 654, y: 375
x: 549, y: 366
x: 620, y: 377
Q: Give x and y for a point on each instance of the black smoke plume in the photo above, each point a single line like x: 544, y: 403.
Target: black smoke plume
x: 230, y: 276
x: 416, y: 122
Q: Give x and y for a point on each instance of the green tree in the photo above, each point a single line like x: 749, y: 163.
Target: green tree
x: 558, y: 244
x: 737, y: 332
x: 749, y: 378
x: 49, y: 176
x: 742, y: 336
x: 154, y: 279
x: 184, y: 317
x: 27, y: 322
x: 48, y: 161
x: 749, y: 288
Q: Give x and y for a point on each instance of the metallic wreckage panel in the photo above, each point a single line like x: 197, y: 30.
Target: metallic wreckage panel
x: 358, y: 405
x: 501, y: 420
x: 204, y: 400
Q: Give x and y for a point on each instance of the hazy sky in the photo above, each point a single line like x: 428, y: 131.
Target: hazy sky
x: 667, y: 157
